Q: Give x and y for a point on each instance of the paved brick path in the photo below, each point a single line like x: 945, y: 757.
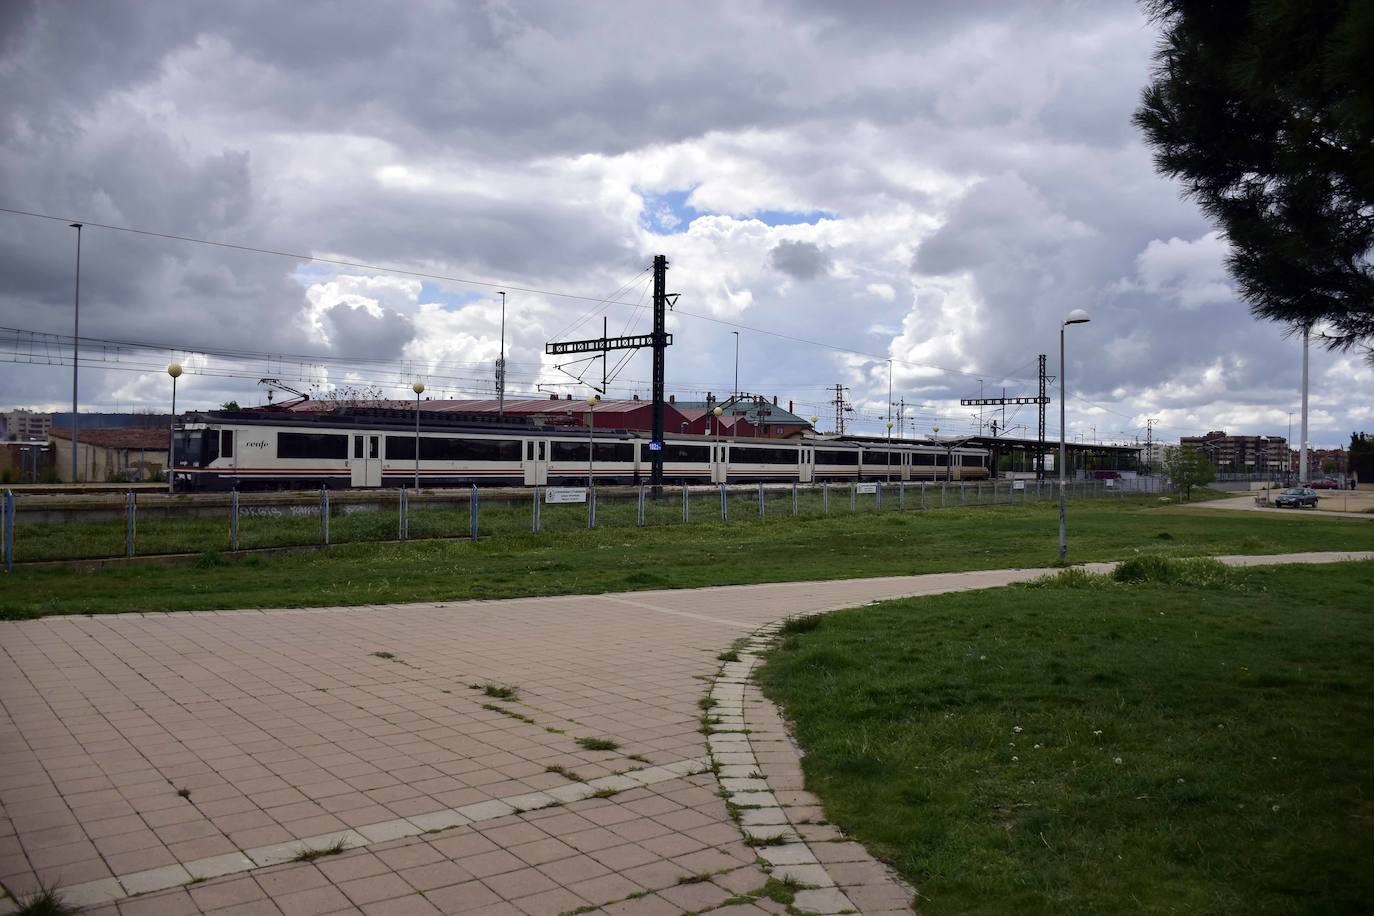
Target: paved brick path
x: 179, y: 763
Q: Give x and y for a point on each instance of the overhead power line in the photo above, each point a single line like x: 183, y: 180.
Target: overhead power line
x: 358, y: 265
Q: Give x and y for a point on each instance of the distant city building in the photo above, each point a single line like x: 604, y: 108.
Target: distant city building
x: 24, y: 425
x: 747, y: 417
x: 1243, y: 454
x: 1152, y: 455
x: 1324, y: 461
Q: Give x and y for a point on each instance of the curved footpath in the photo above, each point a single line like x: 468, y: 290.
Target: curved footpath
x: 184, y: 763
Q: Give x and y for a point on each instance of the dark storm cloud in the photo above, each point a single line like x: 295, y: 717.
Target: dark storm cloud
x: 799, y: 260
x: 356, y: 331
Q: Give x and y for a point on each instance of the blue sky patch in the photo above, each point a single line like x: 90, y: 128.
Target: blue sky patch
x: 669, y: 213
x: 452, y: 302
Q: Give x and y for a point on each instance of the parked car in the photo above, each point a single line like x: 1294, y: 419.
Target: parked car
x: 1296, y: 497
x: 1326, y: 483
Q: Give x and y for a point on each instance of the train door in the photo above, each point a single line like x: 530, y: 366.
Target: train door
x: 720, y: 462
x: 365, y: 467
x: 536, y: 462
x: 806, y: 471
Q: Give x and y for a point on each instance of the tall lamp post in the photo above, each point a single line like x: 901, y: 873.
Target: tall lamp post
x: 889, y: 452
x: 174, y: 370
x: 501, y: 365
x: 76, y: 343
x: 591, y: 428
x: 719, y: 452
x: 1077, y: 316
x: 419, y: 389
x: 735, y: 393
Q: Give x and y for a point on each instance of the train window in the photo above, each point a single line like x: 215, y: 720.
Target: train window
x: 226, y: 443
x: 433, y: 448
x: 311, y: 445
x: 357, y: 446
x: 924, y: 459
x: 971, y: 461
x: 826, y: 456
x: 529, y: 451
x: 615, y: 451
x: 674, y: 451
x: 567, y: 451
x: 541, y: 451
x: 374, y: 449
x: 748, y: 455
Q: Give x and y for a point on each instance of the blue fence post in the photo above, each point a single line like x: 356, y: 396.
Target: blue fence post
x: 686, y: 512
x: 129, y: 524
x: 534, y: 512
x: 901, y: 496
x: 401, y: 515
x: 853, y: 496
x: 825, y: 496
x: 472, y: 514
x: 591, y: 506
x: 760, y: 499
x: 324, y: 515
x: 9, y: 531
x: 878, y: 503
x: 724, y: 508
x: 794, y: 497
x: 641, y: 505
x: 942, y: 493
x: 923, y: 496
x: 233, y: 519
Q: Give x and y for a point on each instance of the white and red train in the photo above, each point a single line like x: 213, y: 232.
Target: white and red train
x: 266, y: 450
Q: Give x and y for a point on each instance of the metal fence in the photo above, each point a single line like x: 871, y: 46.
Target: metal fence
x: 37, y: 528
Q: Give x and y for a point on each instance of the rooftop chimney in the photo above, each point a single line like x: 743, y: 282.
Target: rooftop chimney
x: 672, y: 399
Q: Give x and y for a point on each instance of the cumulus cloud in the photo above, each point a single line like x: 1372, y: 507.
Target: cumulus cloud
x: 930, y: 183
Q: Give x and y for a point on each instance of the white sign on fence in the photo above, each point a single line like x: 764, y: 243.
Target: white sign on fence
x: 1018, y: 484
x: 866, y: 488
x: 565, y: 495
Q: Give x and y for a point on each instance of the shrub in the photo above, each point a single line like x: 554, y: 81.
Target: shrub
x: 1200, y: 572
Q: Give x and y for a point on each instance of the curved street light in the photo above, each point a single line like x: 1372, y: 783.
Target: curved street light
x: 174, y: 370
x: 1077, y: 316
x: 419, y: 389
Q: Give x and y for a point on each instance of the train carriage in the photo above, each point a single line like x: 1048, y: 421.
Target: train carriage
x: 275, y: 450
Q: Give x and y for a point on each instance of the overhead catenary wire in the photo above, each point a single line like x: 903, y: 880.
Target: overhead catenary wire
x: 358, y: 265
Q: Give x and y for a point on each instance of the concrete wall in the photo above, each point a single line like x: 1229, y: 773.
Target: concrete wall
x: 98, y: 464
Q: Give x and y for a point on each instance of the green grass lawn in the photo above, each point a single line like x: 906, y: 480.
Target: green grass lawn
x: 569, y: 559
x: 445, y: 514
x: 1090, y: 746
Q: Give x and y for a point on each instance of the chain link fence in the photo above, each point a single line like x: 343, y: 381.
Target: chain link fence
x: 46, y: 527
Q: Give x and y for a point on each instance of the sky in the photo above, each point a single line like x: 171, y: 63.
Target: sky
x: 906, y: 192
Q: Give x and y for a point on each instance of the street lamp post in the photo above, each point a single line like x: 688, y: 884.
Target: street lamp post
x: 501, y: 365
x: 715, y: 414
x: 591, y: 446
x: 174, y: 370
x: 419, y: 389
x: 76, y: 344
x: 889, y: 452
x: 735, y: 393
x: 1077, y: 316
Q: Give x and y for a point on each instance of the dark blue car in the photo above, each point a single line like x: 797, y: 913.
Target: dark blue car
x: 1296, y: 498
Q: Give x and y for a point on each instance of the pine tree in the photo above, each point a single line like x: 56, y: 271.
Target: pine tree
x: 1264, y: 109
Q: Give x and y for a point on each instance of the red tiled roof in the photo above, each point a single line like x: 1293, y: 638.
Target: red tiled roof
x: 154, y: 439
